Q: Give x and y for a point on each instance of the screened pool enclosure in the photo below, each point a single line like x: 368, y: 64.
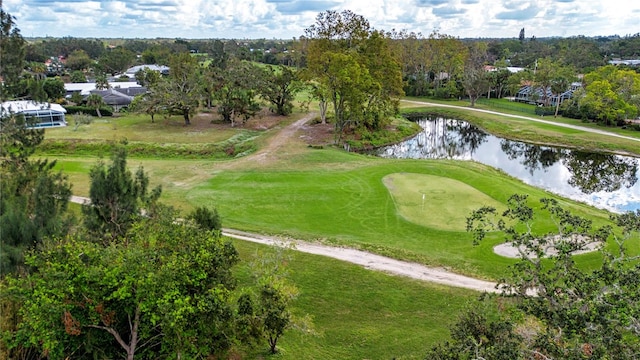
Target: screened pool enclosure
x: 39, y: 115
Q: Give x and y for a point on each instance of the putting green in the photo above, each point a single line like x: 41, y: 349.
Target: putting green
x: 435, y: 201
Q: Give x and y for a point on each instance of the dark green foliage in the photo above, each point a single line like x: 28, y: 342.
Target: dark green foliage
x: 116, y: 60
x: 279, y: 87
x: 117, y: 198
x: 206, y: 218
x: 54, y: 88
x: 73, y: 109
x: 162, y: 291
x: 235, y: 90
x: 275, y: 314
x: 582, y: 314
x: 12, y: 55
x: 33, y: 198
x: 475, y: 336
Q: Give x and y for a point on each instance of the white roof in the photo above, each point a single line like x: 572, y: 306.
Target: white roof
x: 85, y: 88
x: 135, y: 69
x: 20, y: 106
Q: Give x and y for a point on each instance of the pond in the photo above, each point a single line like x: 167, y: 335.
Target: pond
x: 602, y: 180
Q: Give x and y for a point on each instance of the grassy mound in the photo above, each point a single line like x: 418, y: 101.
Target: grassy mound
x: 435, y: 201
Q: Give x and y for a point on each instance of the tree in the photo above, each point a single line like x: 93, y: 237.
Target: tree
x: 149, y: 103
x: 580, y: 313
x: 116, y: 60
x: 476, y: 80
x: 612, y: 95
x: 267, y: 313
x: 357, y: 68
x: 78, y: 76
x: 54, y: 87
x: 78, y: 60
x: 95, y: 101
x: 33, y: 197
x: 102, y: 82
x: 181, y: 92
x: 162, y: 290
x: 206, y: 218
x: 12, y: 56
x: 235, y: 90
x: 117, y: 198
x: 279, y: 86
x: 147, y: 77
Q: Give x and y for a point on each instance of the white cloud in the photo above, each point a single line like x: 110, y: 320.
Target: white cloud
x: 288, y: 18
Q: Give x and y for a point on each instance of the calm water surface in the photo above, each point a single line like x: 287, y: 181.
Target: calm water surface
x: 605, y: 181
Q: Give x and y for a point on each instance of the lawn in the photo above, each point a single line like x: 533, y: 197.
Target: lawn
x: 358, y: 313
x: 341, y: 198
x: 348, y: 199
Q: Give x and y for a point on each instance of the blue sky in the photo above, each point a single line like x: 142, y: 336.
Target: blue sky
x: 286, y: 19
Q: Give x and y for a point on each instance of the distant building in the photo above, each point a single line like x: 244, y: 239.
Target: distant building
x: 45, y: 115
x: 537, y: 95
x: 131, y: 72
x: 630, y: 62
x: 85, y: 88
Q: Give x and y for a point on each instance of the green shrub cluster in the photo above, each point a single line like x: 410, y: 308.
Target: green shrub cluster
x: 74, y: 109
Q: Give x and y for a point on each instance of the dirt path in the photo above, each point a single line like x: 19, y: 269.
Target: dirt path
x: 366, y: 259
x: 372, y: 261
x: 363, y: 258
x: 582, y: 128
x: 268, y: 153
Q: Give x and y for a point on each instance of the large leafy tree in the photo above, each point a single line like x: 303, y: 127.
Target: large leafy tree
x: 570, y: 312
x: 54, y: 87
x: 116, y: 60
x: 235, y: 90
x: 476, y: 79
x: 162, y: 290
x: 12, y: 55
x: 357, y: 68
x: 181, y: 92
x: 78, y: 60
x: 279, y: 86
x: 611, y: 95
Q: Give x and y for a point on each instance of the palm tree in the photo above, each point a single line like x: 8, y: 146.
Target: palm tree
x: 96, y: 101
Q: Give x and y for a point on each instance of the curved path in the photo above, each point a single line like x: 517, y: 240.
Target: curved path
x: 363, y: 258
x: 576, y: 127
x: 359, y: 257
x: 366, y: 259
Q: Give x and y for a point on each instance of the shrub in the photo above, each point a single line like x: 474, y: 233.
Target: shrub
x: 81, y: 119
x: 206, y: 218
x: 105, y: 111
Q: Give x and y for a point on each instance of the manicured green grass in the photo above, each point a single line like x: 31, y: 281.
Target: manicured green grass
x: 358, y: 313
x: 341, y: 198
x: 434, y: 201
x: 348, y: 204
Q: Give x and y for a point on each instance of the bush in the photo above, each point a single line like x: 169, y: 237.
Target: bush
x: 104, y: 111
x: 545, y: 110
x: 205, y: 218
x: 81, y: 119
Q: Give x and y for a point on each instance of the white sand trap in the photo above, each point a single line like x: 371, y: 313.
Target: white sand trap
x: 508, y: 250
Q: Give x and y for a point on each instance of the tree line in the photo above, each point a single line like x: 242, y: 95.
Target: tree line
x: 343, y: 62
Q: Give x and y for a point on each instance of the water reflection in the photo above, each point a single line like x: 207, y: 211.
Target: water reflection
x: 605, y: 181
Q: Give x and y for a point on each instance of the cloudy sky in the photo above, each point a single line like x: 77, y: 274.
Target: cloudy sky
x: 285, y: 19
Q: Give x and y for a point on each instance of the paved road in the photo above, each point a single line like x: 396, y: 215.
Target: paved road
x: 577, y: 127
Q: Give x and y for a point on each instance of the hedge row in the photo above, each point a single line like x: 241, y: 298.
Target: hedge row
x: 73, y: 109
